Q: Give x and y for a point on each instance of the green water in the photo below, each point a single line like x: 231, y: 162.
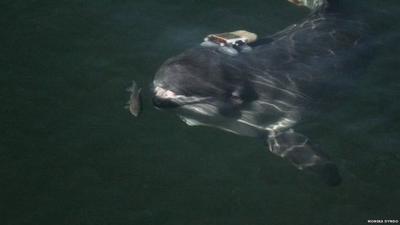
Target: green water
x: 71, y: 154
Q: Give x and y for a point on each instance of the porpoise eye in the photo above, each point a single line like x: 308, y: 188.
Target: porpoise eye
x: 236, y: 99
x: 236, y: 93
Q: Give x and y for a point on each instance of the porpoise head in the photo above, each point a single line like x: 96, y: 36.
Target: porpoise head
x: 204, y: 81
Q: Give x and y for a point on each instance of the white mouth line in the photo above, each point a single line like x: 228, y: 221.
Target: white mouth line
x: 163, y: 93
x: 167, y: 94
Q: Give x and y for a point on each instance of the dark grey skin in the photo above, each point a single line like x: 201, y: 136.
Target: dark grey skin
x: 267, y: 91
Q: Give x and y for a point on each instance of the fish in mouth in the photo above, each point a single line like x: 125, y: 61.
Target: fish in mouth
x: 265, y: 92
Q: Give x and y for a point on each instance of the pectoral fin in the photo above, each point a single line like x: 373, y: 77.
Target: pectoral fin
x: 299, y: 151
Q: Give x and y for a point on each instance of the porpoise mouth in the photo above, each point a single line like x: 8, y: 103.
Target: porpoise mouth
x: 164, y: 98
